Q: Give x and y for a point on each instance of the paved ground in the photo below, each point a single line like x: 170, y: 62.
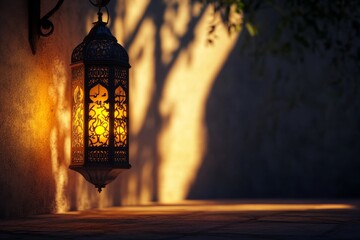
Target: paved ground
x: 197, y: 220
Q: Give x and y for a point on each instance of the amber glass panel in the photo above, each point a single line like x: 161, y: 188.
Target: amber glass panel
x: 78, y: 117
x: 120, y: 118
x: 98, y: 117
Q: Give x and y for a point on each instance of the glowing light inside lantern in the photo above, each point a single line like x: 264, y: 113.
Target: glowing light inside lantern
x: 98, y: 117
x: 78, y: 117
x: 120, y: 117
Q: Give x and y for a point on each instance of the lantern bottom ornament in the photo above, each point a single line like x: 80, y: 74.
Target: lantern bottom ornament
x: 100, y: 177
x: 100, y: 106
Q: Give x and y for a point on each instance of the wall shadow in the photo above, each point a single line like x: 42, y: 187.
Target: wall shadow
x: 271, y: 132
x: 141, y: 183
x: 278, y: 132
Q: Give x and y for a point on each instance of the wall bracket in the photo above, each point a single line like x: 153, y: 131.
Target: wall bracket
x: 39, y: 26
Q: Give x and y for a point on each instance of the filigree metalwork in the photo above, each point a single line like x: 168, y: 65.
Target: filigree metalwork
x: 98, y: 49
x: 120, y: 121
x: 78, y: 118
x: 103, y: 49
x: 98, y: 117
x: 78, y: 53
x: 121, y: 76
x: 98, y: 75
x: 77, y: 157
x: 104, y: 80
x: 120, y: 156
x: 77, y: 74
x: 98, y: 156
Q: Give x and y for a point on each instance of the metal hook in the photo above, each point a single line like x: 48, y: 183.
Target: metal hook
x: 37, y: 25
x: 99, y: 3
x: 45, y: 23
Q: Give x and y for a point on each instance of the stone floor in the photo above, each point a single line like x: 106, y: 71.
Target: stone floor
x: 210, y: 220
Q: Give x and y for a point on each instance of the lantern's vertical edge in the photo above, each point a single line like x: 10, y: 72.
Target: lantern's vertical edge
x: 111, y: 91
x: 77, y: 82
x: 128, y: 115
x: 86, y: 114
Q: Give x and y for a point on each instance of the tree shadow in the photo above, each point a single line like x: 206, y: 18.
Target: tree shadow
x: 147, y: 153
x: 277, y: 132
x: 269, y: 133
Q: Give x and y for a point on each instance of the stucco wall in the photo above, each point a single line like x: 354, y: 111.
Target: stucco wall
x: 35, y: 107
x: 204, y: 123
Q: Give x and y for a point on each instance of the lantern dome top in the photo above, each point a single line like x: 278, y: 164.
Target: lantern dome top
x: 100, y: 47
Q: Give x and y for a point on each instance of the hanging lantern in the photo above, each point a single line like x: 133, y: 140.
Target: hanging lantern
x: 100, y: 106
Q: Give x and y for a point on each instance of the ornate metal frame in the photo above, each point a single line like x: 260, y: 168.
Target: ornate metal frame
x: 100, y: 97
x: 100, y: 100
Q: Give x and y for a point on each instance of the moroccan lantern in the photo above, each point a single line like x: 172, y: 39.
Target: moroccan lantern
x: 100, y: 106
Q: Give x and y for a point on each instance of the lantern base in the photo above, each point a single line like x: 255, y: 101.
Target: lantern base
x: 100, y: 177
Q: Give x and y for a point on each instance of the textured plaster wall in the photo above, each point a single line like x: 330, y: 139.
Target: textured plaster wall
x: 205, y: 123
x: 281, y: 137
x: 282, y: 129
x: 34, y: 107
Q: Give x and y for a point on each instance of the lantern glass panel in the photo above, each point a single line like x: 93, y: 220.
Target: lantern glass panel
x: 77, y: 143
x: 121, y: 111
x: 98, y: 117
x: 120, y: 118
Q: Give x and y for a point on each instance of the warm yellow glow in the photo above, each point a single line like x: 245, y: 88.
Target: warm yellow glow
x: 60, y: 135
x: 192, y: 72
x: 181, y: 141
x: 219, y: 206
x: 120, y: 130
x: 98, y: 117
x: 187, y: 86
x: 99, y: 130
x: 175, y: 26
x: 120, y: 122
x: 134, y: 10
x: 38, y: 122
x: 86, y: 197
x: 131, y: 197
x: 208, y: 206
x: 78, y: 118
x: 142, y: 84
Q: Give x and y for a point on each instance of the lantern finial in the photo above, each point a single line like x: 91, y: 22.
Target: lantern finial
x: 100, y: 16
x: 100, y: 4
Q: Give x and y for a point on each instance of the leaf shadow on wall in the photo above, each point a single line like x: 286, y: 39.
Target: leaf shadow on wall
x: 141, y: 183
x: 279, y: 133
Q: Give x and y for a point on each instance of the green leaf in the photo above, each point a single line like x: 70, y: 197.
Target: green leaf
x: 253, y: 31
